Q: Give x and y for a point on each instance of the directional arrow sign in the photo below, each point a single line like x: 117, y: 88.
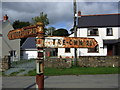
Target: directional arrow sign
x: 68, y: 42
x: 29, y: 31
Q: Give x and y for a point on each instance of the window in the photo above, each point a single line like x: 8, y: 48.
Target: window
x: 109, y: 32
x: 67, y: 50
x: 12, y: 53
x: 92, y: 32
x: 93, y: 50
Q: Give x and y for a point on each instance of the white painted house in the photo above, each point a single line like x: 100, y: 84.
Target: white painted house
x: 8, y: 47
x: 106, y: 31
x: 28, y: 49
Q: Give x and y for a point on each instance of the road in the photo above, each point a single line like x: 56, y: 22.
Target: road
x: 66, y: 81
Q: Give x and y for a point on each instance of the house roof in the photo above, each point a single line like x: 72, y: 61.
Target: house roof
x: 111, y: 41
x: 29, y: 43
x: 3, y: 25
x: 102, y: 20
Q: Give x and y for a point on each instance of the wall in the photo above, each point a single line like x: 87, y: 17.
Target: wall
x: 102, y: 33
x: 119, y: 32
x: 8, y: 45
x: 5, y: 63
x: 84, y: 61
x: 29, y: 54
x: 0, y: 40
x: 82, y: 32
x: 109, y: 61
x: 58, y: 63
x: 0, y: 48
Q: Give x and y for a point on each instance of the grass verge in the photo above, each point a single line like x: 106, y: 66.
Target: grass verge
x: 15, y: 73
x: 77, y: 71
x: 22, y: 62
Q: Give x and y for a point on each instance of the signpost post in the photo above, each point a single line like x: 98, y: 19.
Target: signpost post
x: 40, y: 59
x: 48, y: 42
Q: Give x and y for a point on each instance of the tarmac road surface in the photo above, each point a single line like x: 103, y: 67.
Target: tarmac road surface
x: 66, y: 81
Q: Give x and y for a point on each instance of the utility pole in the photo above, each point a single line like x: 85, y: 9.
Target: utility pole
x: 75, y: 33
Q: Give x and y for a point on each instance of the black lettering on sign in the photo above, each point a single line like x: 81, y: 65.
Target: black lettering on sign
x: 53, y: 41
x: 75, y: 42
x: 70, y: 42
x: 63, y: 42
x: 59, y: 42
x: 34, y: 31
x: 91, y: 43
x: 87, y: 43
x: 80, y: 42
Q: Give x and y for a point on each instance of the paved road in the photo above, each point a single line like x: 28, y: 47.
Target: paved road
x: 71, y: 81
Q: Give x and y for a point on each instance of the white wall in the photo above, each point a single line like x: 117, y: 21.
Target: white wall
x: 0, y: 48
x: 29, y: 54
x: 8, y: 45
x: 0, y: 40
x: 119, y: 32
x: 84, y: 51
x: 102, y: 33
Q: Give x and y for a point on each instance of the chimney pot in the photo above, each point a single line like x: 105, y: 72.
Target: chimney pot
x: 5, y: 17
x: 79, y: 13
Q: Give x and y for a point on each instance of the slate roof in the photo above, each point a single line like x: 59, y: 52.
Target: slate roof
x: 111, y: 41
x: 108, y: 20
x: 86, y: 21
x: 29, y: 43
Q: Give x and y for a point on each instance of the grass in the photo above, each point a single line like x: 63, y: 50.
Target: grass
x: 77, y: 71
x: 31, y: 73
x: 15, y: 73
x: 0, y: 73
x: 22, y: 62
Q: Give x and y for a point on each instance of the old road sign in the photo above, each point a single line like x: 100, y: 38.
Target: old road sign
x: 51, y: 42
x: 29, y: 31
x: 68, y: 42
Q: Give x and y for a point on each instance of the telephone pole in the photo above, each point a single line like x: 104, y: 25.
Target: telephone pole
x: 75, y: 32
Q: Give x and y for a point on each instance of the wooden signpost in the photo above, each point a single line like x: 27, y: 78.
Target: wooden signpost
x: 68, y: 42
x: 48, y: 42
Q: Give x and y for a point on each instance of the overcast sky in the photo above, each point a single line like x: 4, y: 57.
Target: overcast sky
x: 60, y: 14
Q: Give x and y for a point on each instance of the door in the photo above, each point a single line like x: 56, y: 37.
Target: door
x: 109, y: 50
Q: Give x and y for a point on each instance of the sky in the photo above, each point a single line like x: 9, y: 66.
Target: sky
x: 60, y: 14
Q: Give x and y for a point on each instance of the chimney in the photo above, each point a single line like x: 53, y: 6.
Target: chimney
x: 5, y: 18
x: 79, y: 13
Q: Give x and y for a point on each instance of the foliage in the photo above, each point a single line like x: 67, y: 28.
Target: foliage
x: 22, y: 62
x: 15, y: 73
x: 60, y: 32
x: 72, y: 30
x: 31, y: 73
x: 41, y: 18
x: 19, y: 24
x: 50, y: 30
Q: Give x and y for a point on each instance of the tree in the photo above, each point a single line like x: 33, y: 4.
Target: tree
x: 50, y: 30
x: 61, y: 32
x: 72, y: 30
x: 41, y: 18
x: 20, y: 24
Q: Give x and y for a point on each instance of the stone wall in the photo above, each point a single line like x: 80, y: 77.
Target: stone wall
x: 58, y: 63
x: 99, y: 61
x: 84, y: 61
x: 4, y: 63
